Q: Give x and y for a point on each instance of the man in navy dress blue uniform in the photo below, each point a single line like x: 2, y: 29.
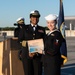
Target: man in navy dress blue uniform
x: 32, y: 61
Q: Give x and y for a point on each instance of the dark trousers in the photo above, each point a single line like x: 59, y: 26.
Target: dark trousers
x: 31, y: 66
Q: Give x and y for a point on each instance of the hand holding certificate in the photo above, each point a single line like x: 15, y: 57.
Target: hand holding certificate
x: 36, y: 46
x: 31, y: 54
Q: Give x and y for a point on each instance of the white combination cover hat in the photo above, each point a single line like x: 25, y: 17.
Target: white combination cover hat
x: 51, y: 17
x: 32, y: 12
x: 21, y: 18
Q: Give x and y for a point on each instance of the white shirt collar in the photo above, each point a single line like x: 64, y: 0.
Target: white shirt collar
x: 53, y: 31
x: 33, y: 25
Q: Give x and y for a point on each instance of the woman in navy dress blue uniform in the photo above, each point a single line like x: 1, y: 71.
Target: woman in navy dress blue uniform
x: 52, y: 43
x: 32, y: 61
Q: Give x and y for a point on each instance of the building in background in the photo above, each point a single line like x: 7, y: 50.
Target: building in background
x: 69, y: 25
x: 70, y: 22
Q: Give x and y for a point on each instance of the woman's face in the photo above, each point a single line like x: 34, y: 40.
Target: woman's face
x: 51, y: 25
x: 34, y: 20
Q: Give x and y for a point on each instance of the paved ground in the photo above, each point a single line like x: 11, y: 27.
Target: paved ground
x: 69, y: 67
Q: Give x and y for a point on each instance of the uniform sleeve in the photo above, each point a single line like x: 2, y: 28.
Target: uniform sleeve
x: 16, y: 32
x: 44, y: 34
x: 21, y: 35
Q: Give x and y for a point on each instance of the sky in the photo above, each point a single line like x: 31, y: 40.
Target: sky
x: 11, y: 10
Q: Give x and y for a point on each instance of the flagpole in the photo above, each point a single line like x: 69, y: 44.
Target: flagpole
x: 60, y: 3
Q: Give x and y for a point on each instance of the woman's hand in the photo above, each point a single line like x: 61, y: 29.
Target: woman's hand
x: 40, y: 51
x: 31, y: 54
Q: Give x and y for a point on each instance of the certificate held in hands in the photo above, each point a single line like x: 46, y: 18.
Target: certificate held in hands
x: 35, y: 45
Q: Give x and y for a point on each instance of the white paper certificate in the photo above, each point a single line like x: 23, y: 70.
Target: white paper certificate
x: 35, y: 45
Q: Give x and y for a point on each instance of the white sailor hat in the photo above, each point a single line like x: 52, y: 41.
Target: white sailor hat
x: 21, y: 19
x: 51, y: 17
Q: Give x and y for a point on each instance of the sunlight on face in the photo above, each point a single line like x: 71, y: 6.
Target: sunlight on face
x: 34, y: 20
x: 51, y: 25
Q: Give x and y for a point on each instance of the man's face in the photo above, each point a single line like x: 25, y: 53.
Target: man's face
x: 34, y: 20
